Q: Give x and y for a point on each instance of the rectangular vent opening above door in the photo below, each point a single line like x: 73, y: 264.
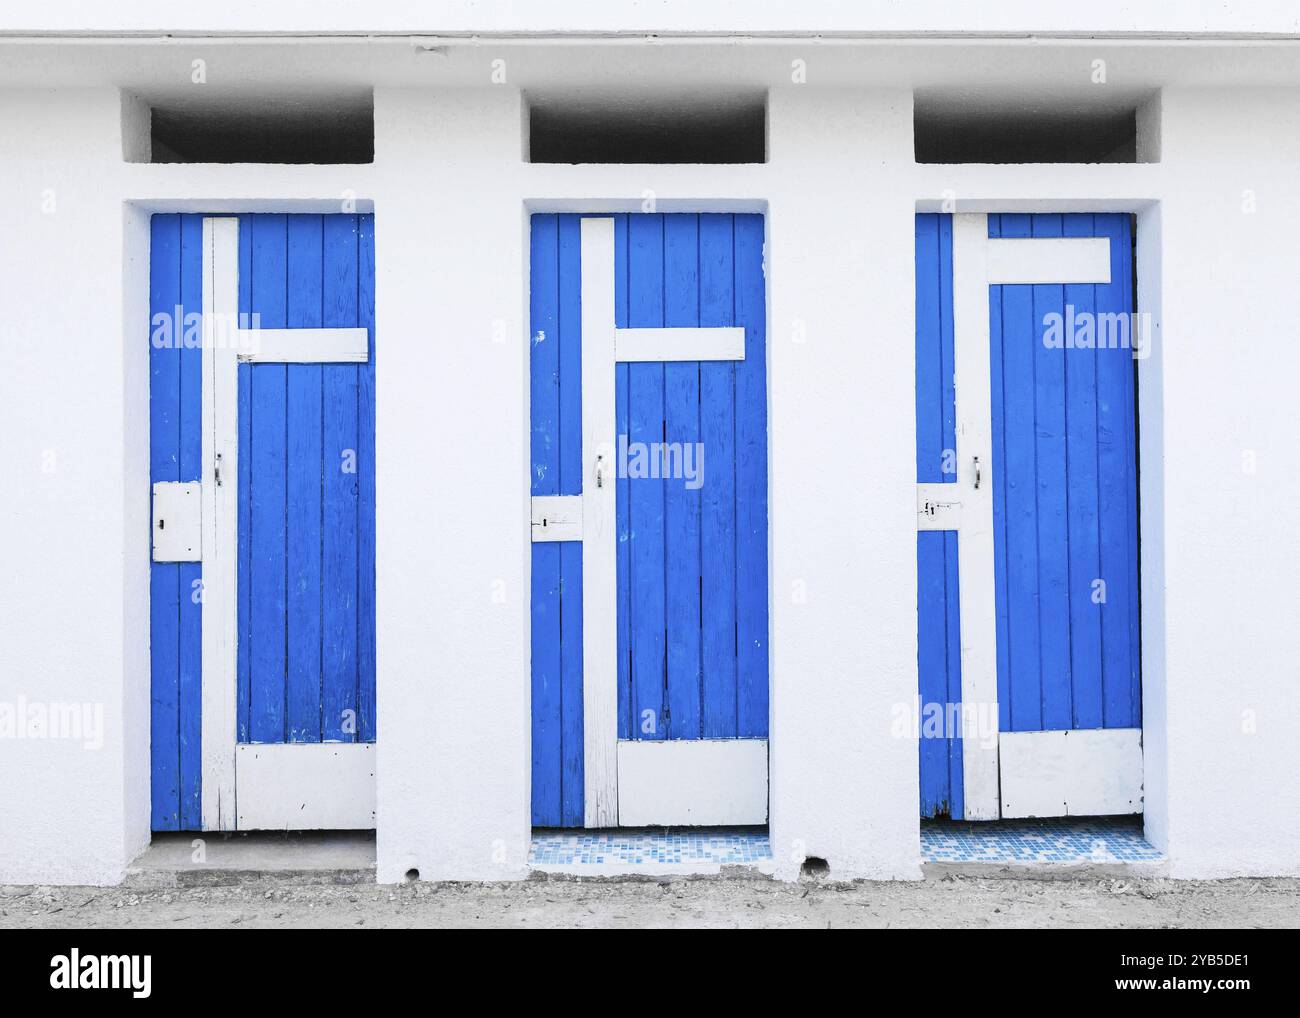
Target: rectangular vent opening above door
x: 703, y: 126
x: 212, y: 124
x: 1085, y: 124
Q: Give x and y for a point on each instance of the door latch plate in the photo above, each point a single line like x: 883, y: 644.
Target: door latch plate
x: 937, y: 507
x: 177, y: 521
x: 557, y: 517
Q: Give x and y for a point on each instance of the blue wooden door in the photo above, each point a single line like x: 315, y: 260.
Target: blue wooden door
x: 305, y: 628
x: 1065, y: 496
x: 1064, y: 477
x: 938, y: 603
x: 306, y: 667
x: 175, y: 588
x: 692, y: 541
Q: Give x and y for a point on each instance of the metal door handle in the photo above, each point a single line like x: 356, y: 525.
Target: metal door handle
x: 977, y: 472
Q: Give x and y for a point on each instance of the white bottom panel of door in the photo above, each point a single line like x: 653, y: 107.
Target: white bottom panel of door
x: 1092, y: 772
x: 305, y: 786
x: 679, y: 783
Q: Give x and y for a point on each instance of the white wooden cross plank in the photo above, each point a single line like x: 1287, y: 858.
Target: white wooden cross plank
x: 304, y: 346
x: 602, y: 346
x: 978, y: 262
x: 224, y: 346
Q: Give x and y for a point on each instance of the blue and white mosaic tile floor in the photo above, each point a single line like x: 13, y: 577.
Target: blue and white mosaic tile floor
x: 704, y: 851
x: 1063, y: 840
x: 687, y: 850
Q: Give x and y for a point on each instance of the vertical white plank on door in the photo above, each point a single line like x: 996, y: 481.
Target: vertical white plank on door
x: 599, y: 547
x: 220, y: 512
x: 979, y: 671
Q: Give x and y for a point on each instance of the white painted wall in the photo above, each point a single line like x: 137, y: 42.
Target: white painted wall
x: 74, y: 504
x: 1231, y: 489
x: 665, y: 16
x: 451, y: 196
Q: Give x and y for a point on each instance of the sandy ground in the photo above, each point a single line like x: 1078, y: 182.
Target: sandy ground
x: 947, y: 902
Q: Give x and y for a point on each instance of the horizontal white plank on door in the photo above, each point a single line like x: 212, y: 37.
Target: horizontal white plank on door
x: 723, y: 343
x: 300, y: 786
x: 692, y: 782
x: 1048, y: 260
x: 1090, y: 772
x: 303, y: 346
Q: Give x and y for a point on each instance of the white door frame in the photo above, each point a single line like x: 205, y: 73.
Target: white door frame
x: 250, y: 786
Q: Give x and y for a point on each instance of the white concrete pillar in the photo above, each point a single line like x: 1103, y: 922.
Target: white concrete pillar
x: 452, y: 550
x: 74, y: 413
x: 1228, y: 672
x: 843, y: 477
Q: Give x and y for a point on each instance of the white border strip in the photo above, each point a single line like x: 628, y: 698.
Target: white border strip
x: 979, y: 262
x: 599, y: 520
x: 724, y: 343
x: 220, y: 445
x: 304, y: 346
x: 602, y: 346
x: 975, y: 581
x: 1048, y: 260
